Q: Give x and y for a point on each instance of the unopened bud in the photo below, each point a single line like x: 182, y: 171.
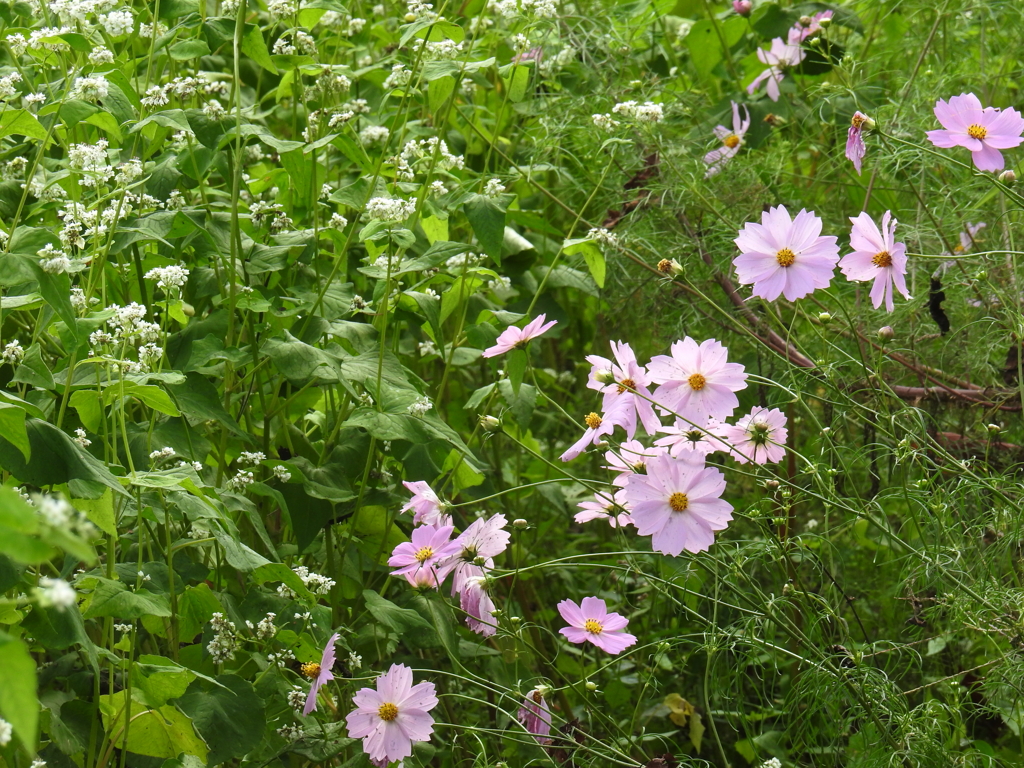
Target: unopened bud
x: 521, y: 524
x: 787, y: 589
x: 994, y: 429
x: 806, y: 21
x: 775, y: 121
x: 771, y: 485
x: 814, y: 42
x: 410, y: 18
x: 490, y: 423
x: 187, y: 309
x: 514, y: 619
x: 1008, y: 177
x: 825, y: 23
x: 886, y: 333
x: 479, y: 560
x: 591, y: 685
x: 825, y: 317
x: 604, y: 376
x: 742, y: 7
x: 670, y: 267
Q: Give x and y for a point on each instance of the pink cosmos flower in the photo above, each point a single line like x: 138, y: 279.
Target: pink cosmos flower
x: 783, y: 256
x: 677, y: 502
x: 696, y: 383
x: 486, y: 538
x: 760, y: 436
x: 475, y: 600
x: 320, y: 674
x: 983, y: 131
x: 798, y: 33
x: 624, y: 384
x: 391, y: 718
x: 630, y: 457
x: 605, y: 507
x: 420, y: 560
x: 877, y: 256
x: 590, y: 622
x: 425, y: 503
x: 685, y: 439
x: 535, y: 715
x: 969, y: 237
x: 780, y: 57
x: 517, y: 338
x: 598, y: 427
x: 855, y: 149
x: 731, y: 141
x: 742, y: 7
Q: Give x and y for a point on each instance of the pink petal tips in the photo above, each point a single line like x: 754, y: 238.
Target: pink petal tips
x: 517, y: 338
x: 390, y: 718
x: 759, y: 437
x: 983, y: 131
x: 731, y: 140
x: 785, y: 257
x: 319, y: 674
x: 855, y: 149
x: 590, y: 622
x: 877, y: 256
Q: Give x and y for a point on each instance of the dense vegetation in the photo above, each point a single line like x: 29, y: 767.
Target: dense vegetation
x: 511, y: 382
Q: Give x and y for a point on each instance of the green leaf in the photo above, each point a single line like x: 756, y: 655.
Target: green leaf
x: 592, y: 254
x: 33, y: 371
x: 18, y: 703
x: 113, y: 598
x: 18, y: 528
x: 59, y: 627
x: 228, y: 715
x: 22, y: 123
x: 521, y: 403
x: 407, y: 623
x: 255, y: 48
x: 158, y: 680
x: 89, y: 406
x: 238, y: 554
x: 196, y: 607
x: 517, y: 82
x: 99, y: 511
x: 705, y: 42
x: 487, y: 217
x: 164, y: 732
x: 189, y: 49
x: 151, y: 395
x: 438, y: 92
x: 105, y: 122
x: 515, y: 367
x: 12, y: 425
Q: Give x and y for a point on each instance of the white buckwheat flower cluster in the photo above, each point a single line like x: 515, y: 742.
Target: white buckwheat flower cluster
x: 281, y: 473
x: 266, y: 629
x: 91, y: 160
x: 604, y: 237
x: 93, y: 88
x: 7, y: 83
x: 493, y: 187
x: 440, y: 50
x: 6, y: 732
x: 390, y: 210
x: 13, y: 353
x: 605, y: 122
x: 416, y: 150
x: 420, y: 407
x: 399, y: 77
x: 118, y: 23
x: 648, y: 112
x: 315, y: 583
x: 242, y: 480
x: 544, y: 9
x: 55, y: 593
x: 169, y: 278
x: 225, y: 641
x: 374, y: 134
x: 251, y: 458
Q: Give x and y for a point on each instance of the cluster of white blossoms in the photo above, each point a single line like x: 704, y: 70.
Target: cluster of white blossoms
x: 251, y: 458
x: 297, y: 42
x: 225, y: 639
x: 281, y: 473
x: 55, y: 593
x: 389, y: 209
x: 13, y: 353
x: 648, y: 112
x: 399, y: 77
x: 282, y: 10
x: 271, y: 214
x: 57, y: 513
x: 440, y: 50
x: 91, y: 160
x: 605, y: 122
x: 374, y: 134
x: 8, y: 90
x: 543, y: 9
x: 93, y: 88
x: 6, y: 732
x: 242, y: 480
x: 433, y: 150
x: 315, y: 583
x: 493, y: 188
x: 603, y: 237
x: 173, y: 277
x: 53, y: 260
x: 265, y: 629
x: 420, y: 406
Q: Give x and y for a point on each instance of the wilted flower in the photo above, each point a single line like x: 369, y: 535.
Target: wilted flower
x: 319, y: 674
x: 855, y: 149
x: 535, y: 715
x: 590, y: 622
x: 391, y: 718
x: 475, y: 600
x: 877, y: 256
x: 759, y: 437
x: 428, y: 509
x: 731, y: 141
x: 983, y: 131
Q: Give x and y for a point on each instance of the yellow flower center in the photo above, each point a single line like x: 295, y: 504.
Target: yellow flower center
x: 697, y: 382
x: 593, y: 420
x: 731, y: 141
x: 976, y: 131
x: 593, y: 627
x: 425, y: 554
x: 626, y: 384
x: 678, y: 502
x: 857, y: 121
x: 310, y: 669
x: 785, y: 257
x: 882, y: 259
x: 664, y: 266
x: 387, y: 712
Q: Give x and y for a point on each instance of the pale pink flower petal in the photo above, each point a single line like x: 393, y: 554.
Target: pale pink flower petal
x: 590, y: 622
x: 421, y: 559
x: 320, y: 674
x: 876, y: 256
x: 394, y: 717
x: 759, y: 437
x: 535, y: 715
x: 428, y: 508
x: 731, y: 141
x: 517, y: 338
x: 983, y: 131
x: 696, y: 383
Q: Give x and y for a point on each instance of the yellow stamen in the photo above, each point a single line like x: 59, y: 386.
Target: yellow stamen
x: 626, y: 384
x: 882, y: 259
x: 310, y: 669
x: 785, y: 257
x: 593, y: 627
x: 697, y: 382
x: 387, y: 712
x: 425, y: 554
x: 678, y: 502
x: 731, y: 141
x: 976, y: 131
x: 592, y: 420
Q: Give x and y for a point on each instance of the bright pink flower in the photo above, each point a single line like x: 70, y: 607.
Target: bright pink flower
x: 535, y: 715
x: 517, y: 338
x: 742, y: 7
x: 475, y: 600
x: 486, y: 538
x: 421, y: 559
x: 798, y: 33
x: 597, y: 428
x: 425, y: 503
x: 969, y: 237
x: 760, y: 436
x: 783, y: 256
x: 319, y: 673
x: 618, y: 381
x: 628, y: 458
x: 677, y: 502
x: 731, y: 141
x: 983, y: 131
x: 590, y: 622
x: 855, y: 149
x: 686, y: 439
x: 391, y: 718
x: 780, y: 57
x: 696, y: 383
x: 605, y: 507
x: 877, y: 256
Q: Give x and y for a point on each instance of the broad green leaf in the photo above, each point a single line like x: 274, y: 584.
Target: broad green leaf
x: 438, y: 92
x: 407, y: 623
x: 196, y: 607
x: 255, y: 48
x: 228, y: 715
x: 99, y: 511
x: 105, y: 122
x: 33, y: 370
x: 164, y: 732
x: 515, y: 366
x: 487, y: 217
x: 153, y: 396
x: 89, y: 405
x: 434, y: 228
x: 518, y: 82
x: 21, y: 122
x: 189, y: 49
x: 592, y: 254
x: 18, y: 703
x: 159, y: 680
x: 113, y: 598
x: 12, y: 426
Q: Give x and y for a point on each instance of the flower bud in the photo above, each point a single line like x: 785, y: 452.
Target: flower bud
x: 787, y: 588
x: 825, y: 317
x: 604, y: 376
x: 410, y: 18
x: 994, y: 429
x: 814, y: 42
x: 670, y: 267
x: 1008, y: 177
x: 742, y: 7
x: 771, y: 485
x: 521, y: 524
x: 591, y: 685
x: 490, y: 423
x: 825, y: 23
x: 806, y: 21
x: 886, y: 333
x: 515, y: 620
x: 479, y: 560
